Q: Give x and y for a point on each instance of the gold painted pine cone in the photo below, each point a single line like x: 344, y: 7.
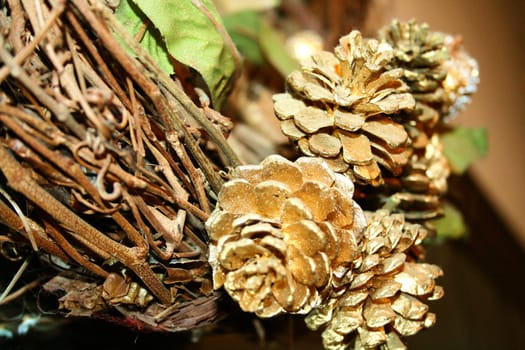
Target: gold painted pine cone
x: 338, y: 107
x: 423, y: 183
x: 385, y: 297
x: 439, y: 72
x: 279, y: 231
x: 421, y: 54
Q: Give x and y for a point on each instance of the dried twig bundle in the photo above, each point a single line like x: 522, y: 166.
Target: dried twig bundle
x: 108, y: 164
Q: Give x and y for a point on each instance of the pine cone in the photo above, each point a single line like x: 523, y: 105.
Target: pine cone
x: 279, y: 231
x: 441, y: 76
x: 439, y: 72
x: 338, y: 106
x: 384, y: 299
x: 462, y: 78
x: 421, y: 54
x: 423, y: 184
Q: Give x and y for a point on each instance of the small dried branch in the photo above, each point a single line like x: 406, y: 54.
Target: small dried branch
x: 187, y: 107
x: 15, y: 279
x: 73, y: 253
x: 62, y: 114
x: 21, y: 291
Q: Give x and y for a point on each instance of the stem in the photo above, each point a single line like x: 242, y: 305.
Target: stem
x: 225, y: 36
x: 21, y: 291
x: 174, y: 141
x: 22, y: 217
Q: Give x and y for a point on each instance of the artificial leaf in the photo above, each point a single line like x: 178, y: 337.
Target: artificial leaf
x: 463, y: 145
x: 451, y: 225
x: 274, y: 48
x: 193, y: 33
x: 151, y: 40
x: 244, y: 28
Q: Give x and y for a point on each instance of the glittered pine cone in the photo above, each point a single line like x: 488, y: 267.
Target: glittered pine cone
x: 421, y: 53
x: 385, y: 297
x: 440, y: 74
x: 418, y: 192
x: 462, y: 78
x: 423, y: 183
x: 278, y: 232
x: 338, y: 107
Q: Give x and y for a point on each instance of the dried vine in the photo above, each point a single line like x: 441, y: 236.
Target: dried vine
x: 112, y: 164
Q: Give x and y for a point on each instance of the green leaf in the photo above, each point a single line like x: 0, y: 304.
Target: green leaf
x: 136, y: 21
x: 273, y: 47
x: 463, y: 145
x: 244, y: 28
x: 451, y: 225
x: 193, y: 33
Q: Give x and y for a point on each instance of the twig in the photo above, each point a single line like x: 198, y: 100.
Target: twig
x: 60, y: 111
x: 16, y: 277
x: 96, y: 127
x: 21, y: 291
x: 101, y: 64
x: 29, y: 48
x: 131, y: 232
x: 135, y: 129
x: 164, y: 166
x: 171, y: 120
x: 116, y: 192
x: 187, y: 106
x: 172, y: 241
x: 65, y: 164
x: 47, y: 170
x: 73, y: 253
x: 13, y: 221
x: 198, y: 181
x: 22, y: 217
x: 18, y: 24
x: 9, y: 218
x: 46, y: 132
x: 193, y: 237
x: 85, y: 156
